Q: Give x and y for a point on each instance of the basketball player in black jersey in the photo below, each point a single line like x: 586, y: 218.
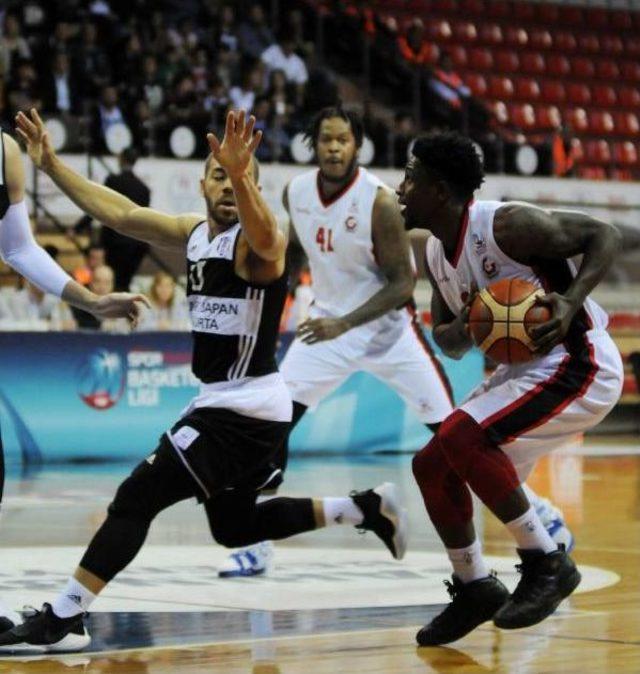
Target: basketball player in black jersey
x: 227, y: 444
x: 20, y: 250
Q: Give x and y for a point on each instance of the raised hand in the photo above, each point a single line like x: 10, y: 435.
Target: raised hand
x: 32, y: 130
x: 239, y: 143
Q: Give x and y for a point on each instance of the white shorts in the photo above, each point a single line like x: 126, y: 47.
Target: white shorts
x: 531, y: 409
x: 407, y: 365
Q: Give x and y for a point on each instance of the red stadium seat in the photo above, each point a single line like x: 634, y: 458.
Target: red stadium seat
x: 578, y: 93
x: 506, y: 61
x: 465, y: 31
x: 500, y: 112
x: 523, y: 11
x: 621, y: 20
x: 589, y: 43
x: 577, y: 149
x: 499, y: 8
x: 578, y: 119
x: 477, y: 83
x: 582, y: 67
x: 458, y: 55
x: 604, y: 95
x: 480, y: 58
x: 491, y: 33
x: 523, y: 116
x: 597, y: 152
x: 596, y: 17
x: 516, y: 37
x: 553, y: 91
x: 607, y: 70
x: 444, y: 6
x: 547, y: 14
x: 527, y: 89
x: 558, y: 65
x: 439, y: 31
x: 540, y: 38
x: 625, y: 175
x: 600, y: 123
x: 630, y: 71
x: 570, y: 15
x: 612, y: 44
x: 631, y: 46
x: 592, y: 173
x: 548, y: 117
x: 501, y: 88
x: 625, y: 153
x: 473, y: 6
x: 627, y: 123
x: 533, y: 63
x: 629, y: 97
x: 565, y: 41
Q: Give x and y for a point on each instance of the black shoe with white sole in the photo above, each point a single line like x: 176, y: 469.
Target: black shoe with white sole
x: 42, y: 631
x: 385, y: 516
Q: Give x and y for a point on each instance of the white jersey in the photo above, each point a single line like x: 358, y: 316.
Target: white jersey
x: 479, y: 259
x: 336, y: 235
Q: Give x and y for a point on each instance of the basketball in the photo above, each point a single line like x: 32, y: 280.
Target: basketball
x: 502, y: 316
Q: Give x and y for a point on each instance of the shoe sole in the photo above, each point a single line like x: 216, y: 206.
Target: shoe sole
x: 242, y: 574
x: 570, y: 583
x: 70, y: 643
x: 391, y: 509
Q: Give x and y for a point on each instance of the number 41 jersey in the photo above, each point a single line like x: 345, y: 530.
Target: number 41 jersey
x: 235, y: 323
x: 337, y: 239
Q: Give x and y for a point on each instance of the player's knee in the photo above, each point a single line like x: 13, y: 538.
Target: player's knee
x: 229, y: 534
x: 460, y: 436
x: 133, y: 500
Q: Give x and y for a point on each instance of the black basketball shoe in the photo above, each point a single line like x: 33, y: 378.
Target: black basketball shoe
x: 547, y: 579
x: 43, y: 631
x: 384, y: 515
x: 471, y: 604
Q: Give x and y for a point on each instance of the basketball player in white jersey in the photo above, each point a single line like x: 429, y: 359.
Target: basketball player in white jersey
x: 490, y: 443
x: 350, y: 227
x: 227, y: 444
x: 19, y: 249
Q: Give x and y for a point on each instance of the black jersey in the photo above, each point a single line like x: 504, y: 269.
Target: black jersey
x: 235, y: 323
x: 4, y: 192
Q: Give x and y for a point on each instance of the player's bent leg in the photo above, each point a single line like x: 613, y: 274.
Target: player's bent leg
x: 552, y: 518
x: 476, y: 594
x: 152, y: 487
x: 257, y: 559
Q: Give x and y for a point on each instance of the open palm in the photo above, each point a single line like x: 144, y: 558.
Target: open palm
x: 33, y: 132
x: 238, y: 144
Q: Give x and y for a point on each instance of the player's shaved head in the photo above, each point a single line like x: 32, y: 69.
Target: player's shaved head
x: 254, y: 163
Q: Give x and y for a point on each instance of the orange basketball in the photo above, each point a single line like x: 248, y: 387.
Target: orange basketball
x: 502, y: 316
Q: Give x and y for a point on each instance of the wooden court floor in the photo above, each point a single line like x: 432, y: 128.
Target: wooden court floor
x: 596, y: 632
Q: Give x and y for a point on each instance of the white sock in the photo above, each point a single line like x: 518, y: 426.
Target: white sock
x: 73, y: 600
x: 468, y: 563
x: 531, y: 495
x: 530, y: 533
x: 341, y: 510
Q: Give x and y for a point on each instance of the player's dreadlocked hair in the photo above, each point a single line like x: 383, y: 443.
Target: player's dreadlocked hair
x: 454, y: 158
x: 355, y: 121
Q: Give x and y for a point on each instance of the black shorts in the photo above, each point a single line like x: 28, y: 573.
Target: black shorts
x: 222, y: 450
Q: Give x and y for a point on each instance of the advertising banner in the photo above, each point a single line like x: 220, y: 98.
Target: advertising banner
x: 97, y: 396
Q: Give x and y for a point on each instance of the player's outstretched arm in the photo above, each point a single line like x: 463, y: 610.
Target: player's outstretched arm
x: 235, y: 155
x: 104, y: 204
x: 21, y: 251
x: 529, y: 234
x: 391, y: 248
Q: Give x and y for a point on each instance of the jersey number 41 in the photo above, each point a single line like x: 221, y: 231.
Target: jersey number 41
x: 324, y: 239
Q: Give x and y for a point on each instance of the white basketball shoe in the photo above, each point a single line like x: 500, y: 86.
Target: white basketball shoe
x: 254, y: 560
x: 553, y: 520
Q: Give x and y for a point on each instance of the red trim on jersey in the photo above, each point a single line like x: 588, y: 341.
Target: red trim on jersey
x: 435, y: 361
x: 327, y: 201
x: 462, y: 234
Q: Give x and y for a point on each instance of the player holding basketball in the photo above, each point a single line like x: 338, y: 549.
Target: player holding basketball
x: 490, y: 443
x: 351, y: 230
x: 227, y: 444
x: 19, y: 249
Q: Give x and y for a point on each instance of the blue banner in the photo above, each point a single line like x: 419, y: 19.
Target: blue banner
x: 71, y: 396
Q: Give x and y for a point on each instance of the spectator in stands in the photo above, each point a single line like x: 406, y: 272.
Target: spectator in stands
x: 185, y: 38
x: 226, y: 33
x: 91, y: 60
x: 243, y: 96
x: 108, y: 114
x: 122, y: 253
x: 29, y: 308
x: 450, y: 92
x: 22, y: 89
x: 169, y: 310
x: 200, y: 70
x: 274, y: 138
x: 150, y: 86
x: 414, y: 47
x: 562, y: 151
x: 254, y: 34
x: 280, y: 56
x: 13, y: 46
x: 59, y: 88
x: 216, y: 102
x: 282, y: 98
x: 94, y: 257
x: 294, y: 25
x: 143, y: 125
